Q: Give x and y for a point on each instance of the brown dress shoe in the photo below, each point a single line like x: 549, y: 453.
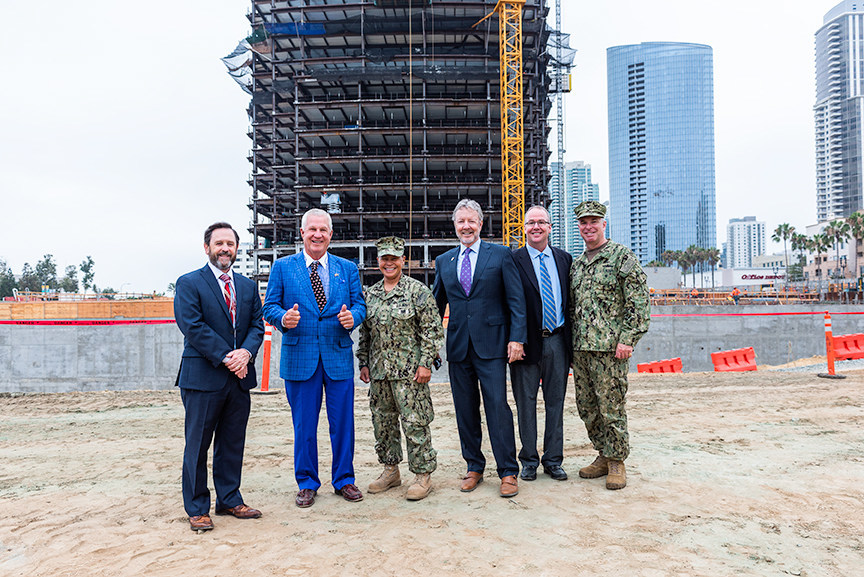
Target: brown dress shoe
x: 470, y: 481
x: 350, y: 492
x: 241, y: 511
x: 200, y: 523
x: 509, y: 488
x: 305, y: 498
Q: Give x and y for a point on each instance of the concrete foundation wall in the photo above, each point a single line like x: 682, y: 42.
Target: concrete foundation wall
x: 126, y: 357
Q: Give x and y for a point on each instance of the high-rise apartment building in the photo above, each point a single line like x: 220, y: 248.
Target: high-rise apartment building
x: 661, y: 147
x: 839, y: 112
x: 745, y: 239
x: 578, y: 187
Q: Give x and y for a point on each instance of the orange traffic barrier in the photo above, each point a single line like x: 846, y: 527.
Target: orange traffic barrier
x: 829, y: 350
x: 849, y: 347
x: 664, y: 366
x: 734, y: 360
x: 265, y: 365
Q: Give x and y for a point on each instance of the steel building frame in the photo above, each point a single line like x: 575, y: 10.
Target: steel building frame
x: 394, y: 106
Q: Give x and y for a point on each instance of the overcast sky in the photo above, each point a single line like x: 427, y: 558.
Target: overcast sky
x: 122, y: 137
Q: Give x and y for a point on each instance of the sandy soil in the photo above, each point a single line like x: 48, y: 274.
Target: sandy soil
x: 731, y: 474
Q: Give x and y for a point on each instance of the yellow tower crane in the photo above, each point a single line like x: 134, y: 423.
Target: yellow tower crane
x: 512, y: 128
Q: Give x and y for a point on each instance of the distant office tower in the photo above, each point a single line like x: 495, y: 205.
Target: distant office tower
x: 745, y: 239
x: 839, y: 112
x: 661, y: 147
x: 577, y: 188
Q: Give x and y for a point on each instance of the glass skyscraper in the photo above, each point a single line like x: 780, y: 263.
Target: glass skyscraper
x: 839, y: 111
x: 578, y: 187
x: 661, y: 147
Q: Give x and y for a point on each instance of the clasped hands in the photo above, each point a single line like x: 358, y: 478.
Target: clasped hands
x: 292, y: 317
x: 237, y: 362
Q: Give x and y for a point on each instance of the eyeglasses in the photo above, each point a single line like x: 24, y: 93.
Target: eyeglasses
x: 533, y: 223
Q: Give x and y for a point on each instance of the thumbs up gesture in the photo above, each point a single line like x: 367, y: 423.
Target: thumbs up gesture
x: 346, y: 319
x: 291, y: 317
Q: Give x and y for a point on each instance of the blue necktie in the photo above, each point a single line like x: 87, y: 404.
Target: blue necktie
x: 549, y: 317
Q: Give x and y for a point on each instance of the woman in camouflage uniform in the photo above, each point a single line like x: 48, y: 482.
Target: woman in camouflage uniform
x: 398, y: 345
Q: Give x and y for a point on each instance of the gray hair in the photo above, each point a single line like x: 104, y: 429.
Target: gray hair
x: 316, y: 212
x: 469, y: 204
x: 539, y: 207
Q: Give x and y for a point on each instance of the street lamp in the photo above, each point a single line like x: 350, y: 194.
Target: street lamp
x: 121, y: 287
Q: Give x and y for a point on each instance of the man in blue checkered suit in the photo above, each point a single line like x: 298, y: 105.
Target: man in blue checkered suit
x: 316, y: 300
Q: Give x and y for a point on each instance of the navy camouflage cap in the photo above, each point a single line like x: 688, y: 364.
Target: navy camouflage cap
x: 390, y: 245
x: 590, y: 208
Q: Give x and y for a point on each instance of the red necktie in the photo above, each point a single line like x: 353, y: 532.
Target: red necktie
x: 229, y: 296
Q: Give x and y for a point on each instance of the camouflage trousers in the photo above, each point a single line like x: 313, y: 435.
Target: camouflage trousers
x: 601, y: 385
x: 392, y: 400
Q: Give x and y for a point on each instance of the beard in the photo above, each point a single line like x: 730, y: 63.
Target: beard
x: 216, y: 257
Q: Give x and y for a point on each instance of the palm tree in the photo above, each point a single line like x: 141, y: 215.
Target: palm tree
x: 692, y: 253
x: 818, y: 244
x: 799, y: 242
x: 712, y: 255
x: 856, y: 231
x: 668, y: 257
x: 683, y: 260
x: 783, y: 232
x: 836, y: 232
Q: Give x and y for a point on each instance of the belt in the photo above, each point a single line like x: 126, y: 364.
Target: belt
x: 548, y: 333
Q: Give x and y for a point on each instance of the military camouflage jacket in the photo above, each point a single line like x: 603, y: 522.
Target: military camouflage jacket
x: 609, y: 300
x: 402, y: 330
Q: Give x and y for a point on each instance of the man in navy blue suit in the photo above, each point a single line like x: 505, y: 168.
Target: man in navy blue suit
x: 316, y: 300
x: 486, y: 329
x: 219, y: 313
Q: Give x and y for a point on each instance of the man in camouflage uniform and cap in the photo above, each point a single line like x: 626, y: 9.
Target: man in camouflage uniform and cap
x: 610, y: 313
x: 398, y: 344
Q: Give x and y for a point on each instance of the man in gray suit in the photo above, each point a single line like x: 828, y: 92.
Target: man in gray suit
x: 486, y: 330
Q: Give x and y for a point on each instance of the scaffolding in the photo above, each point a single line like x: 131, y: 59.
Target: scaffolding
x: 385, y: 114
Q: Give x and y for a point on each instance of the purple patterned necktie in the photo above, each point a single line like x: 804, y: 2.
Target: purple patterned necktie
x: 465, y: 272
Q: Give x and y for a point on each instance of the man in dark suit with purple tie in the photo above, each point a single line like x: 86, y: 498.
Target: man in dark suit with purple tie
x: 486, y: 329
x: 219, y: 313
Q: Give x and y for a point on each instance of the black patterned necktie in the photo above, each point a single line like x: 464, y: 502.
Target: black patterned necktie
x: 317, y: 287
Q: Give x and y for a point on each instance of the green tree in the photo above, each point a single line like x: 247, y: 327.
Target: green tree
x: 107, y: 293
x: 69, y: 282
x: 171, y: 287
x: 46, y: 271
x: 7, y: 280
x: 783, y: 232
x: 655, y: 263
x: 87, y: 273
x: 29, y: 281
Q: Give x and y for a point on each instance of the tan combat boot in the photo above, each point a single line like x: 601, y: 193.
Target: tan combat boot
x: 598, y: 468
x: 420, y: 488
x: 617, y: 478
x: 387, y: 479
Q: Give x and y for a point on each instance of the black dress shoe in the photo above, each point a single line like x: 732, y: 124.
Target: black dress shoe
x: 529, y: 473
x: 556, y: 472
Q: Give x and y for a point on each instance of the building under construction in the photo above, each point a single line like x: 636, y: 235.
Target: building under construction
x: 385, y: 113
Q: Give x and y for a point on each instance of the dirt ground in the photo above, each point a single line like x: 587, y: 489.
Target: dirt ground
x: 757, y: 473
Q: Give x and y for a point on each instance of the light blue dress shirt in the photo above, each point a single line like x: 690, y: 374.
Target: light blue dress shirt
x: 323, y: 271
x: 552, y: 269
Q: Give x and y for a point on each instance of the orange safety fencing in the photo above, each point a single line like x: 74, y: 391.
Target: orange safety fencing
x: 709, y: 297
